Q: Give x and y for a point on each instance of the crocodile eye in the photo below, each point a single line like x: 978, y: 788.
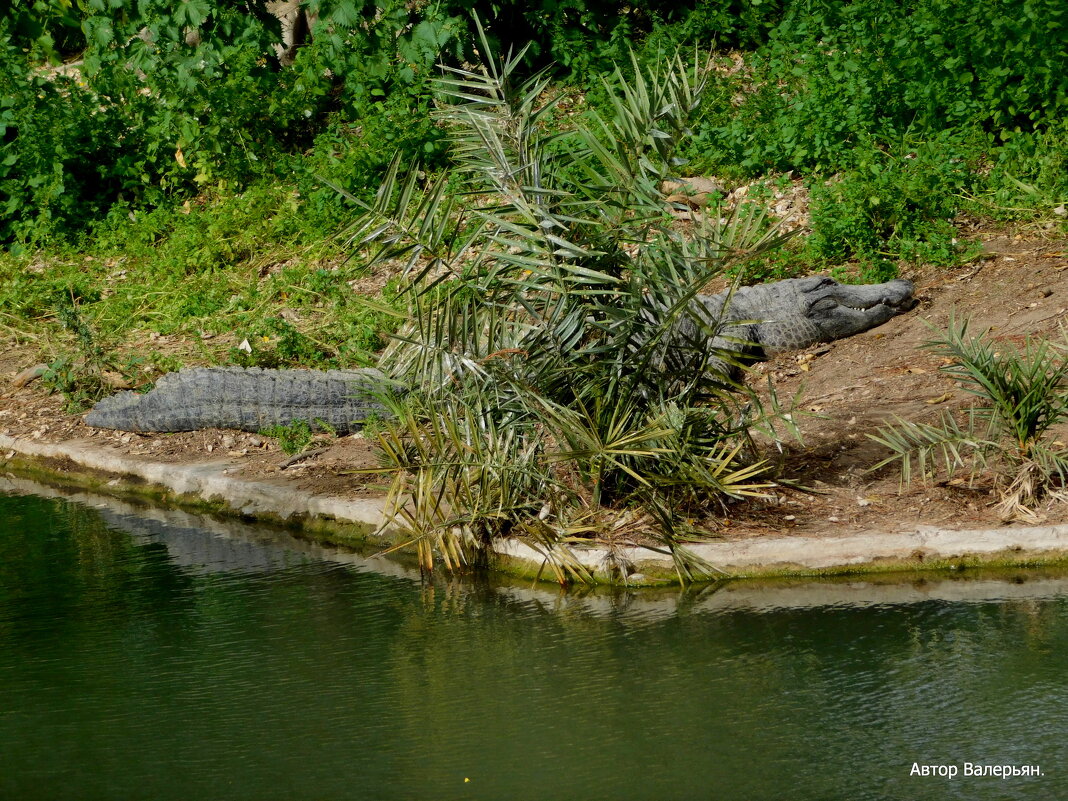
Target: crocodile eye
x: 815, y: 283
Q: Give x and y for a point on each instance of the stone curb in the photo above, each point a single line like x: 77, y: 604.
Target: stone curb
x: 879, y: 551
x: 207, y: 481
x: 206, y: 544
x: 925, y: 547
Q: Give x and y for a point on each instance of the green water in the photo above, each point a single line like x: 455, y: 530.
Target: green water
x: 150, y: 660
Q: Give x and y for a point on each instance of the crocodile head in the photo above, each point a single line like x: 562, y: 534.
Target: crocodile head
x: 799, y: 312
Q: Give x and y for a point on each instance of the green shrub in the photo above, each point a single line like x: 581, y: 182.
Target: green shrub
x: 57, y: 151
x: 172, y: 99
x: 1028, y: 174
x: 889, y: 206
x: 835, y: 75
x: 355, y: 153
x: 175, y: 100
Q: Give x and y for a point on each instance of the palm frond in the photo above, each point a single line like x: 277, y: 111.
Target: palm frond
x: 1021, y: 395
x: 947, y: 446
x: 1025, y: 389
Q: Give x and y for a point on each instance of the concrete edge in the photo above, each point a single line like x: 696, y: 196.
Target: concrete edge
x: 928, y: 548
x: 207, y: 544
x: 360, y: 522
x: 205, y: 484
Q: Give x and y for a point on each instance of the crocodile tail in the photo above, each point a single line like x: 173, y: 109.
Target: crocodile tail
x: 249, y: 399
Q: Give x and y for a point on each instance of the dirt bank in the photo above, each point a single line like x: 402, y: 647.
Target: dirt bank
x: 1018, y: 287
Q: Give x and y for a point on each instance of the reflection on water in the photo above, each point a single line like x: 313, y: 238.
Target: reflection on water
x: 157, y: 655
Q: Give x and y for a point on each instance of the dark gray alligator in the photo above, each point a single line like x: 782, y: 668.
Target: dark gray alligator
x: 249, y: 399
x: 766, y: 319
x: 758, y: 321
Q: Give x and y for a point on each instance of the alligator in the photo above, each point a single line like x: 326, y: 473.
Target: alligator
x: 249, y: 399
x: 750, y: 323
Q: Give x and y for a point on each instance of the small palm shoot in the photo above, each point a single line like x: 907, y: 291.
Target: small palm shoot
x: 540, y: 301
x: 1022, y: 394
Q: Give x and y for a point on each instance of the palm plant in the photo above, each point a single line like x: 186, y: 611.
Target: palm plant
x: 1022, y: 395
x: 543, y: 297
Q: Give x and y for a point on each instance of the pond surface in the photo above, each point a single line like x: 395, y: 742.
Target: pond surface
x: 143, y: 657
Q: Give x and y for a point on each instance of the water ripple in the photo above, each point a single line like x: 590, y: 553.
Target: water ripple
x: 164, y: 661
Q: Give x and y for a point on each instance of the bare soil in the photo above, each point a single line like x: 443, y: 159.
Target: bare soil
x: 1017, y: 288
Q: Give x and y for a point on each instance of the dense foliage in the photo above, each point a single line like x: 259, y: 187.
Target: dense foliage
x: 833, y: 74
x: 171, y: 99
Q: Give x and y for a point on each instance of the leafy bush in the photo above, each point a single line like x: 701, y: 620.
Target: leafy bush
x: 173, y: 100
x: 56, y: 151
x: 834, y: 73
x: 890, y: 205
x: 1028, y: 174
x: 355, y: 154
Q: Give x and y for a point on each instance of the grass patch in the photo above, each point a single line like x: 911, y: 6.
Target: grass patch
x: 202, y: 277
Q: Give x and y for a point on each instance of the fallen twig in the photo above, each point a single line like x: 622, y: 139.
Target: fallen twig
x: 300, y: 457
